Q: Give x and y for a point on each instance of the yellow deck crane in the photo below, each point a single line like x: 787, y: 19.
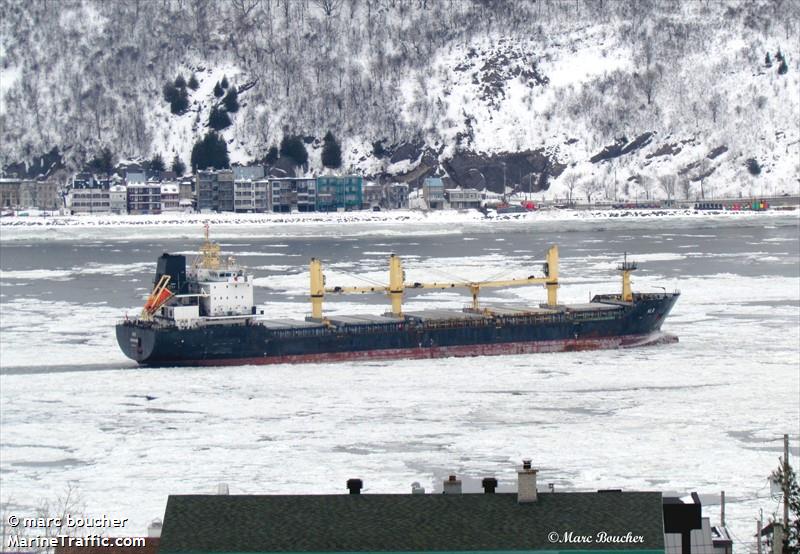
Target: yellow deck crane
x: 397, y: 285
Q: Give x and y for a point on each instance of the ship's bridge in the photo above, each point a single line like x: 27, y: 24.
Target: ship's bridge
x: 223, y: 287
x: 224, y: 291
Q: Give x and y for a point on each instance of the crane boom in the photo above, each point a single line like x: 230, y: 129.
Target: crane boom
x: 397, y: 285
x: 481, y: 284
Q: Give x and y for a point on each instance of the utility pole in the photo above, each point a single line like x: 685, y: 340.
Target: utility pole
x: 758, y: 534
x: 786, y: 482
x: 722, y: 509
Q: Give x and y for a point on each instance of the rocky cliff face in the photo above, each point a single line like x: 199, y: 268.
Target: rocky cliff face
x: 602, y: 98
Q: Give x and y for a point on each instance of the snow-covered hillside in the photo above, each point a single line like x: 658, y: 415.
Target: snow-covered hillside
x: 608, y: 99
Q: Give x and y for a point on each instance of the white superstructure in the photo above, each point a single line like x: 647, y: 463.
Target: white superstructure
x: 225, y: 291
x: 223, y: 287
x: 212, y: 290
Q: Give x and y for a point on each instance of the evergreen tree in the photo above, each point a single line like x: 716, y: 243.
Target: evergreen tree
x: 231, y: 100
x: 170, y: 92
x: 156, y: 164
x: 218, y: 92
x: 378, y: 150
x: 177, y: 97
x: 753, y: 166
x: 272, y: 155
x: 193, y: 84
x: 103, y: 162
x: 210, y: 151
x: 768, y: 60
x: 218, y: 119
x: 177, y: 165
x: 292, y: 147
x: 791, y: 541
x: 779, y: 55
x: 331, y: 152
x: 783, y: 68
x: 180, y: 82
x: 224, y: 82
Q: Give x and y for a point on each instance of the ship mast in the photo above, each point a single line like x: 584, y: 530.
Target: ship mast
x: 397, y: 285
x: 209, y: 252
x: 626, y: 268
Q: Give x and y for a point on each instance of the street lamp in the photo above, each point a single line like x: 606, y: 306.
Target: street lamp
x: 504, y: 181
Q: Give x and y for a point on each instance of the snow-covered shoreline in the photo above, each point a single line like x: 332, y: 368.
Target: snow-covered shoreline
x: 120, y: 226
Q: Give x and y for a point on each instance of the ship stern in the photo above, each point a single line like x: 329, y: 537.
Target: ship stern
x: 136, y: 341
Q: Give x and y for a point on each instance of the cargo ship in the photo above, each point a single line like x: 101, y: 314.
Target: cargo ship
x: 204, y: 314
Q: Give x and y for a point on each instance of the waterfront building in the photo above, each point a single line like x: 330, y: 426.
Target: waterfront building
x: 463, y: 199
x: 339, y: 193
x: 144, y: 198
x: 433, y: 193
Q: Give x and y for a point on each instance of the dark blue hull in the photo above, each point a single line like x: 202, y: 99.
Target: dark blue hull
x: 250, y: 342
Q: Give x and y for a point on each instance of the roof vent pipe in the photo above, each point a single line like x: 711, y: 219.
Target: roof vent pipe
x: 355, y: 486
x: 154, y: 528
x: 489, y: 485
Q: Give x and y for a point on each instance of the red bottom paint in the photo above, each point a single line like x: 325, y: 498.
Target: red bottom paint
x: 507, y: 348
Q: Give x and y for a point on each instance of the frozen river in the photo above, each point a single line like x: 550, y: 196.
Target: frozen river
x: 705, y: 414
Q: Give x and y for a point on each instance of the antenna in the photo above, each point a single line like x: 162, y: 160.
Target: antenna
x: 626, y: 268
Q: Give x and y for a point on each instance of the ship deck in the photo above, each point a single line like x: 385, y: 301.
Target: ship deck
x: 445, y: 317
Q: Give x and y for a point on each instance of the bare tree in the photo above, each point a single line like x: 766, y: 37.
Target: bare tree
x: 329, y: 7
x: 590, y: 187
x: 51, y: 518
x: 668, y: 182
x: 703, y: 170
x: 714, y: 103
x: 647, y: 185
x: 685, y: 186
x: 571, y: 179
x: 648, y: 81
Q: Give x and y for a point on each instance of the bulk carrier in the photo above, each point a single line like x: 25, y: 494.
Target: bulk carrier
x: 204, y: 314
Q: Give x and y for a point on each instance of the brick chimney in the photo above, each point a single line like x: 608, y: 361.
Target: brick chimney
x: 526, y: 483
x: 452, y: 485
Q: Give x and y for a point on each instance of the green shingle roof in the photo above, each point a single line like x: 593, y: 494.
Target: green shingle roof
x: 404, y: 522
